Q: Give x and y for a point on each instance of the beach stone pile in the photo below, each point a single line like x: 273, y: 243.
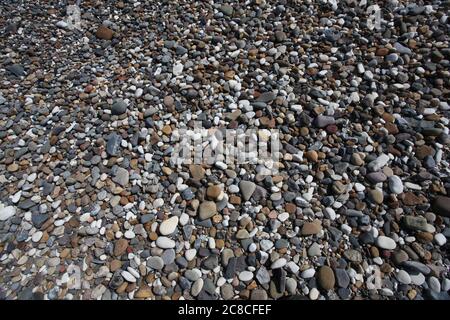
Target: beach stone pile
x: 91, y: 206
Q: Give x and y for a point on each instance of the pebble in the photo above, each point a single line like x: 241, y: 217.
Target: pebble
x: 37, y: 236
x: 165, y: 243
x: 386, y: 243
x: 119, y: 107
x: 128, y: 276
x: 6, y: 212
x: 245, y: 276
x: 278, y: 263
x: 155, y: 263
x: 247, y: 189
x: 325, y: 278
x: 403, y: 277
x: 97, y: 120
x: 440, y: 239
x: 168, y: 226
x: 395, y: 185
x: 207, y: 210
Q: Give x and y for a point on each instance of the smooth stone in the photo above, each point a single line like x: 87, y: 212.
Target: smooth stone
x: 120, y: 247
x: 376, y: 195
x: 16, y: 69
x: 128, y: 276
x: 323, y: 121
x: 247, y: 189
x: 325, y: 278
x: 434, y: 284
x: 440, y: 239
x: 403, y: 277
x: 258, y: 294
x: 156, y: 263
x: 395, y: 184
x: 308, y: 273
x: 227, y: 291
x: 310, y: 228
x: 119, y: 107
x: 7, y: 212
x: 165, y: 243
x: 37, y: 236
x: 190, y: 254
x: 168, y: 226
x: 242, y: 234
x: 416, y: 266
x: 263, y: 276
x: 197, y: 287
x: 278, y: 263
x: 386, y: 243
x: 245, y: 276
x: 342, y: 278
x: 207, y: 210
x: 291, y: 285
x: 415, y: 223
x: 314, y: 250
x: 378, y: 163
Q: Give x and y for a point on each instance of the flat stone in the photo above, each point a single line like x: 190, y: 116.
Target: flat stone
x: 197, y: 171
x: 128, y: 276
x: 310, y: 228
x: 353, y: 255
x: 156, y: 263
x: 323, y: 121
x: 197, y: 287
x: 263, y: 276
x: 342, y: 278
x: 415, y: 223
x: 122, y: 177
x: 386, y: 243
x: 120, y: 247
x: 278, y: 263
x: 6, y: 212
x: 168, y: 226
x: 242, y: 234
x: 207, y: 210
x: 113, y: 145
x: 395, y: 184
x: 247, y: 189
x: 245, y: 276
x: 258, y: 294
x: 376, y: 195
x: 403, y: 277
x: 165, y: 243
